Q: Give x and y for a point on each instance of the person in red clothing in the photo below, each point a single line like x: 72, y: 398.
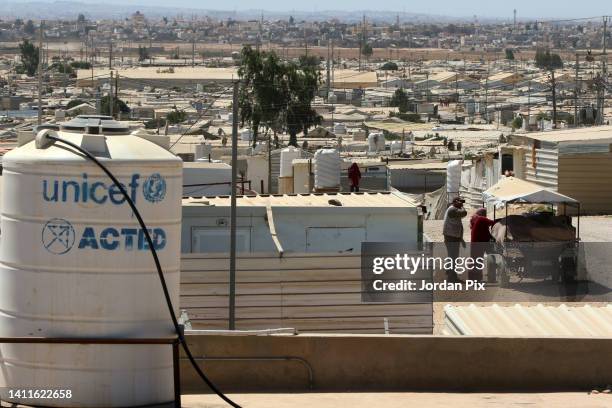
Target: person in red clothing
x: 480, y: 235
x: 354, y: 174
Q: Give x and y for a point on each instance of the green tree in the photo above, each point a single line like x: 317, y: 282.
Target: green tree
x: 389, y: 66
x: 367, y: 50
x: 400, y: 99
x: 176, y: 116
x: 303, y: 82
x: 80, y: 65
x: 277, y: 95
x: 29, y: 27
x: 517, y: 122
x: 509, y: 54
x: 118, y: 105
x: 29, y: 57
x: 143, y: 53
x: 550, y: 62
x: 263, y: 91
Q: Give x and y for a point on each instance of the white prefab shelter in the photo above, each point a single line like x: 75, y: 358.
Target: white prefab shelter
x: 301, y: 223
x: 203, y: 178
x: 73, y: 263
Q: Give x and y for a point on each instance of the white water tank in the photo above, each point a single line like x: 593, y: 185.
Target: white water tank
x: 396, y: 146
x: 327, y: 168
x: 376, y: 142
x: 74, y: 263
x: 339, y: 128
x: 246, y: 135
x: 453, y: 176
x: 202, y: 151
x: 287, y: 156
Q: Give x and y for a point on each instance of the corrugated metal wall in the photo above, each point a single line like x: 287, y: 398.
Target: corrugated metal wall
x: 541, y: 166
x: 588, y: 179
x: 309, y: 292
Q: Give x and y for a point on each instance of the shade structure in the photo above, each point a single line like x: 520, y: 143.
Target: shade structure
x: 514, y: 190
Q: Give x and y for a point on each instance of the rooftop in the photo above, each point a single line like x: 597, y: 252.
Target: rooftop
x: 355, y: 200
x: 598, y: 133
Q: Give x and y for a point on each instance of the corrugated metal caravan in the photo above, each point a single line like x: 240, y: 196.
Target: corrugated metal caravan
x: 74, y: 263
x: 574, y: 162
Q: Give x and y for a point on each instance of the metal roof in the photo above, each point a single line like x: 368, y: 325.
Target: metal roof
x: 597, y: 133
x: 355, y: 200
x: 529, y: 321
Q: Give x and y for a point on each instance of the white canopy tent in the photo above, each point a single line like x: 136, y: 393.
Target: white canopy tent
x: 513, y: 190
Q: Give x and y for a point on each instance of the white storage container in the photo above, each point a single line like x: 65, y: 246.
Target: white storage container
x: 287, y: 156
x: 453, y: 176
x: 327, y: 168
x: 74, y: 263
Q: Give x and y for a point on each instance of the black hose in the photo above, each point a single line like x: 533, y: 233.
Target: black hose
x: 160, y: 273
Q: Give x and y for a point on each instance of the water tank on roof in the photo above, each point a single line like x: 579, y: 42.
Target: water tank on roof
x: 339, y: 128
x: 286, y: 160
x: 453, y: 176
x: 376, y: 142
x: 327, y: 168
x: 246, y: 135
x: 202, y: 151
x: 74, y: 263
x: 396, y: 146
x: 95, y: 124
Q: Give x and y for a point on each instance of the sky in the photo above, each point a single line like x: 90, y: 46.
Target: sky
x: 454, y: 8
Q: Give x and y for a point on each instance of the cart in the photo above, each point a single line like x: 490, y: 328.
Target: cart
x: 539, y: 245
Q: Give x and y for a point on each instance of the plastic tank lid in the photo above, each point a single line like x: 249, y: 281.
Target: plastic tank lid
x: 95, y: 124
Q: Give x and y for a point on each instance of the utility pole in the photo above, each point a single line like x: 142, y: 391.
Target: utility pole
x: 328, y: 80
x: 456, y: 94
x: 232, y: 268
x: 110, y: 96
x: 116, y: 98
x: 110, y: 55
x: 39, y: 73
x: 333, y: 78
x: 604, y: 72
x: 576, y: 95
x: 193, y: 51
x: 487, y: 97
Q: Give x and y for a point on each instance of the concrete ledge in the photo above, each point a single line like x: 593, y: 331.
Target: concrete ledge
x: 400, y: 363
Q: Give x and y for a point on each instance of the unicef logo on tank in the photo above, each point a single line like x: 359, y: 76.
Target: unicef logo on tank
x: 154, y: 188
x: 99, y: 191
x: 58, y: 236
